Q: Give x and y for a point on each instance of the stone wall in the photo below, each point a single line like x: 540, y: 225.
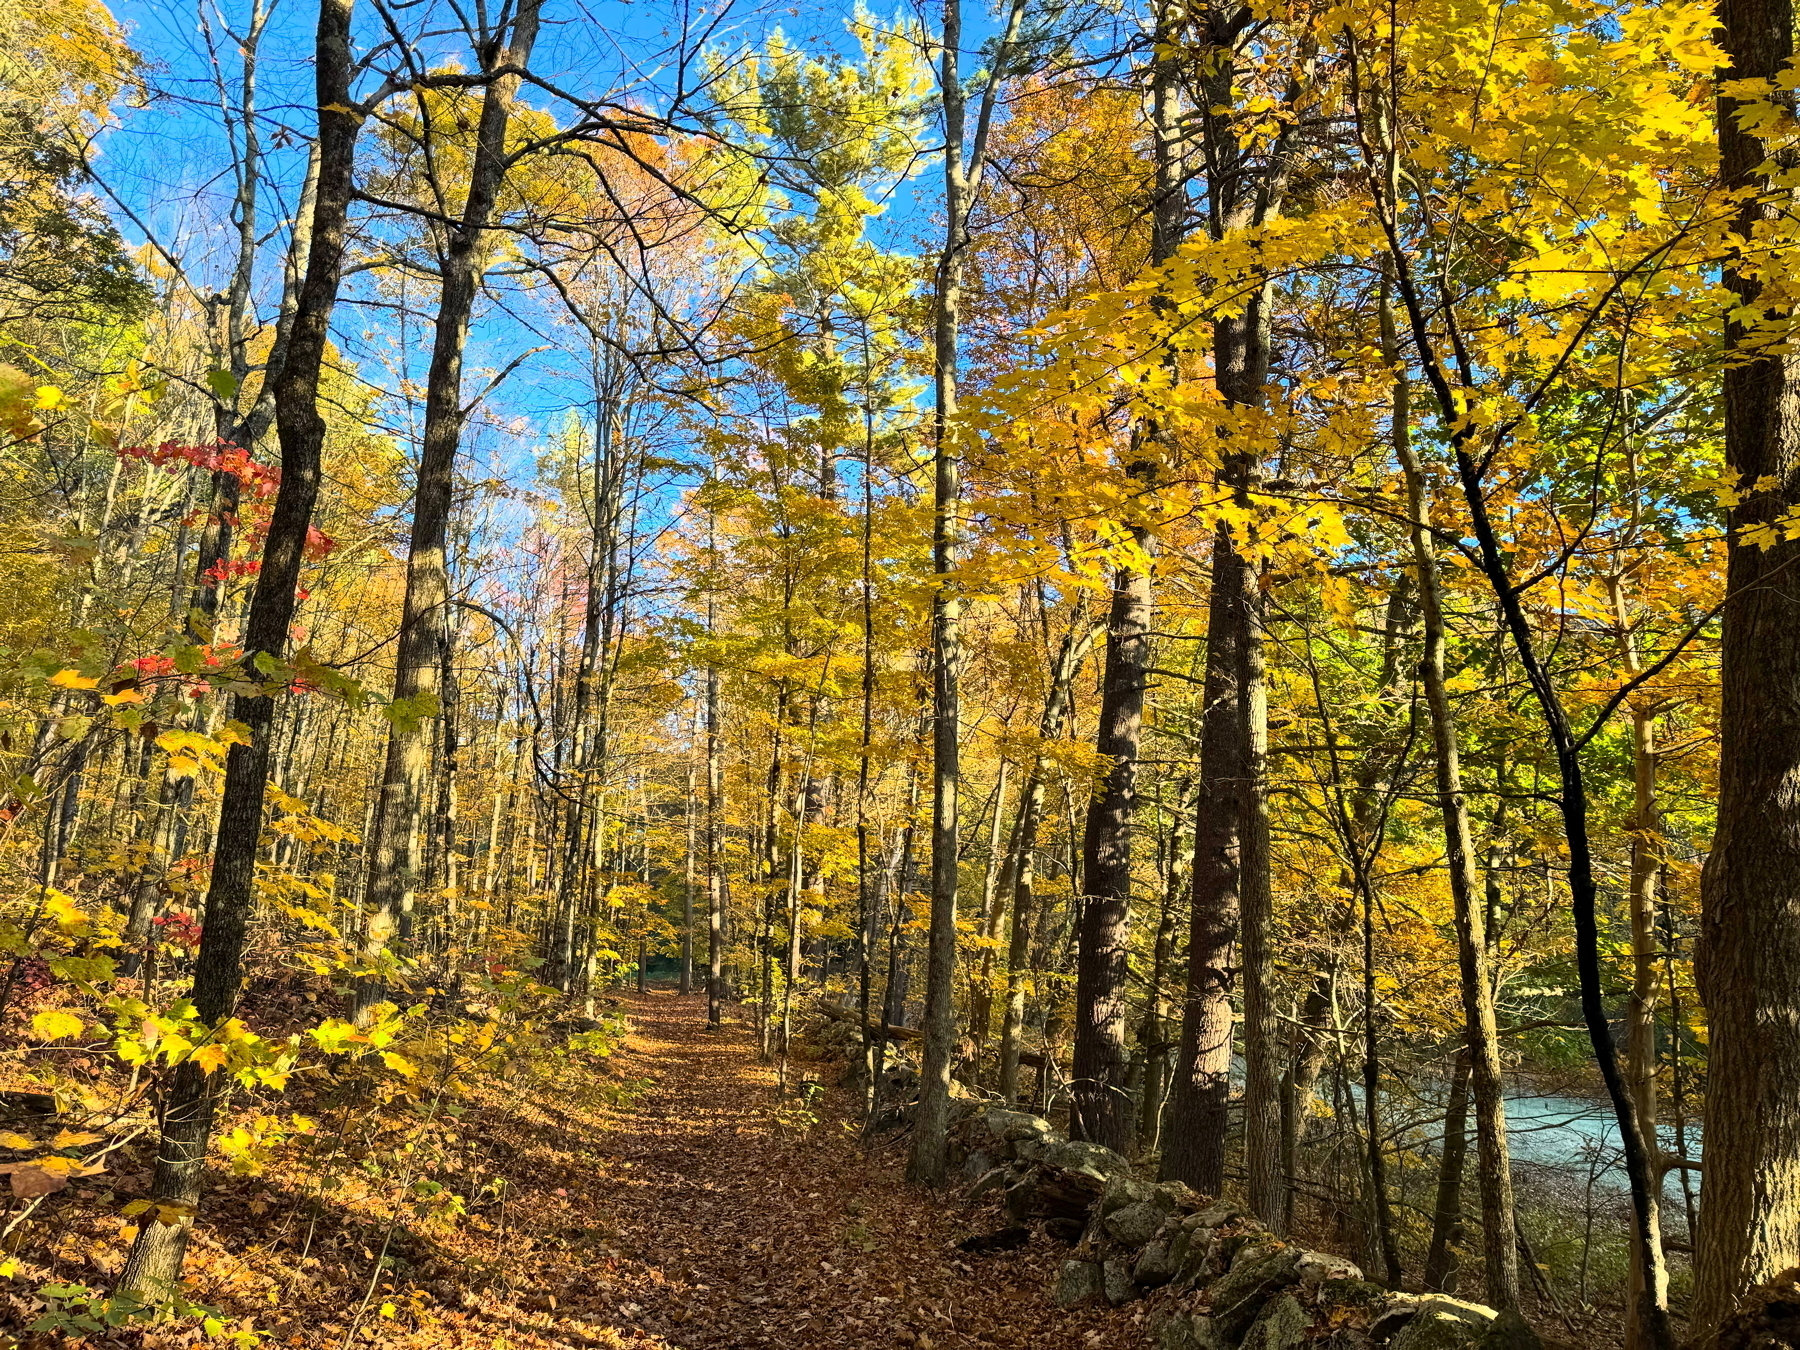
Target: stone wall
x: 1214, y: 1277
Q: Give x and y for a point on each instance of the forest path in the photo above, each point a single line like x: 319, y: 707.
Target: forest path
x: 732, y: 1224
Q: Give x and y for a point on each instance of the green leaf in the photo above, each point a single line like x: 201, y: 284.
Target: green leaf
x: 223, y: 383
x: 407, y: 714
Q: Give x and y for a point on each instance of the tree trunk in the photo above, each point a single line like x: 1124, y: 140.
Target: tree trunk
x: 1305, y: 1060
x: 1018, y: 878
x: 1493, y: 1158
x: 1640, y: 1009
x: 153, y: 1267
x: 425, y: 611
x: 1153, y: 1030
x: 1748, y: 962
x: 965, y: 153
x: 1231, y: 898
x: 1199, y: 1106
x: 1441, y: 1263
x: 1381, y: 1207
x: 687, y: 882
x: 715, y: 863
x: 1100, y: 1105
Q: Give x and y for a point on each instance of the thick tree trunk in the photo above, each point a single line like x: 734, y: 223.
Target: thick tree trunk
x: 1199, y: 1105
x: 424, y: 617
x: 1100, y: 1105
x: 1748, y: 962
x: 1231, y: 900
x: 154, y: 1265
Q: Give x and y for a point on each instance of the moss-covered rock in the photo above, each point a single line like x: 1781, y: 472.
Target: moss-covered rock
x: 1115, y: 1279
x: 1122, y: 1191
x: 1135, y: 1225
x: 1236, y: 1298
x: 1442, y: 1323
x: 1185, y: 1331
x: 1356, y: 1300
x: 1282, y: 1325
x: 1078, y: 1283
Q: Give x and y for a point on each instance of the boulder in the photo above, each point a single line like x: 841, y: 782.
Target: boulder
x: 1021, y: 1198
x: 1282, y: 1325
x: 1510, y: 1331
x: 1079, y: 1282
x: 1122, y: 1191
x: 1181, y: 1196
x: 1134, y: 1225
x: 1195, y: 1257
x: 1315, y: 1268
x: 1238, y: 1297
x: 1115, y: 1279
x: 977, y: 1164
x: 1087, y: 1160
x: 1009, y: 1128
x: 1189, y: 1332
x: 1156, y: 1264
x: 1217, y: 1215
x: 1438, y: 1322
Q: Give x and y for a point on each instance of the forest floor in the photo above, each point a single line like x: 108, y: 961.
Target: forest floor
x: 738, y: 1223
x: 675, y: 1203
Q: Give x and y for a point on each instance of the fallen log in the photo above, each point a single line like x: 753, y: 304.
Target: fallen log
x: 837, y: 1012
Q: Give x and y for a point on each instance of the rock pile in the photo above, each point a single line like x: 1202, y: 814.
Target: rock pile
x: 1212, y: 1276
x: 1216, y: 1278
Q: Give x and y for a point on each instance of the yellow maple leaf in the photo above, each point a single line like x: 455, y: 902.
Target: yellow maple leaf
x: 73, y: 679
x: 56, y: 1025
x: 399, y: 1063
x: 210, y: 1057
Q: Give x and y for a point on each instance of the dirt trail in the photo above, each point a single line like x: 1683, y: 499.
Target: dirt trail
x: 726, y: 1224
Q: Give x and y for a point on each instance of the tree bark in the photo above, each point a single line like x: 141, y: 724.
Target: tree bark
x: 1493, y: 1158
x: 965, y: 154
x: 1100, y: 1105
x: 1199, y: 1105
x: 1441, y: 1263
x: 1231, y: 897
x: 425, y: 611
x: 1748, y: 961
x: 153, y: 1267
x: 1018, y: 880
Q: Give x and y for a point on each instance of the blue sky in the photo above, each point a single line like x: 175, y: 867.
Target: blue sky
x: 169, y: 161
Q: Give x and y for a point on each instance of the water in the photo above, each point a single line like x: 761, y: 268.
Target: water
x: 1579, y: 1138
